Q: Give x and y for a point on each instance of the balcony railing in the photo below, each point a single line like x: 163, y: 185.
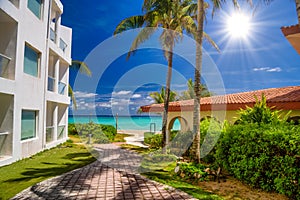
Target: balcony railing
x: 52, y: 35
x: 62, y: 45
x: 51, y: 83
x: 60, y: 131
x: 62, y: 88
x: 4, y: 60
x: 49, y: 134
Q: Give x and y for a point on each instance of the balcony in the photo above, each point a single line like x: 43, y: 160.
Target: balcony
x: 6, y: 125
x: 4, y: 67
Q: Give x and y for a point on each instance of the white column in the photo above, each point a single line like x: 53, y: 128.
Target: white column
x: 57, y: 27
x: 55, y: 116
x: 56, y: 73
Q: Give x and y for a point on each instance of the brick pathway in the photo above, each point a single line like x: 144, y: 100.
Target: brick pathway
x: 114, y: 177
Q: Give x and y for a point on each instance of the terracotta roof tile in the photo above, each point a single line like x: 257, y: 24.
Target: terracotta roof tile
x: 290, y: 30
x: 284, y: 98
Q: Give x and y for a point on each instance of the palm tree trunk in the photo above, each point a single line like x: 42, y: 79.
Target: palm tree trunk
x: 298, y: 10
x: 196, y: 117
x: 165, y: 132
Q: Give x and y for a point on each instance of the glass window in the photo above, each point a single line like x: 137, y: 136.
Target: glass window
x: 28, y: 124
x: 35, y: 6
x: 31, y: 61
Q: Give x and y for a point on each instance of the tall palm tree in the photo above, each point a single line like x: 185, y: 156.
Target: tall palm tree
x: 190, y: 94
x: 216, y: 5
x: 83, y: 69
x: 298, y: 10
x: 175, y: 15
x: 159, y: 97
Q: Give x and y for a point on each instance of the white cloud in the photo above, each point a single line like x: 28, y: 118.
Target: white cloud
x: 104, y: 105
x: 136, y: 96
x: 276, y: 69
x: 79, y: 94
x: 120, y: 93
x: 268, y: 69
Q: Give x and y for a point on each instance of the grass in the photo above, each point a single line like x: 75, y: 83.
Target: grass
x: 120, y: 137
x: 49, y: 163
x: 163, y: 172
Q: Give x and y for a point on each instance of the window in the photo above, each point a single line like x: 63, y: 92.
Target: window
x: 36, y: 7
x: 31, y: 61
x: 28, y: 124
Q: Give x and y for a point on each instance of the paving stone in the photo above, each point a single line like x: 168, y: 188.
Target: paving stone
x: 114, y: 176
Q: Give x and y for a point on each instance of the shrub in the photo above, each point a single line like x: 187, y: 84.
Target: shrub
x: 260, y: 113
x: 264, y: 156
x: 192, y: 171
x: 155, y: 141
x: 100, y: 133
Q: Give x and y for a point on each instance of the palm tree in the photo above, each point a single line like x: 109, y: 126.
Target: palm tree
x: 190, y: 94
x: 216, y: 4
x: 298, y: 10
x: 174, y: 15
x: 159, y: 97
x: 83, y: 69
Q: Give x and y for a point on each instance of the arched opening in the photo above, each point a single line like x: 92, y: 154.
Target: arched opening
x: 294, y: 119
x: 178, y: 123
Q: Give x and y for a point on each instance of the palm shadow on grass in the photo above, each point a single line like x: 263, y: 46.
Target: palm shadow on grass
x: 49, y: 169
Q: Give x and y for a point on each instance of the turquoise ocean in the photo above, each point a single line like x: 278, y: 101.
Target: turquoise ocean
x: 152, y: 123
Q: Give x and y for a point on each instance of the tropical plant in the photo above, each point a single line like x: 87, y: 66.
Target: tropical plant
x: 260, y: 113
x: 190, y: 94
x: 83, y: 69
x: 159, y: 97
x: 174, y: 16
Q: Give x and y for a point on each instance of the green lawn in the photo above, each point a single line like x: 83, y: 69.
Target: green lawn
x: 27, y: 172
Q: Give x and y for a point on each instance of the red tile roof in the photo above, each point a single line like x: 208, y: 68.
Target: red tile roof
x: 287, y: 98
x: 290, y: 30
x: 292, y: 34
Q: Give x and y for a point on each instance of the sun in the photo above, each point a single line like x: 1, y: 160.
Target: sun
x: 238, y: 25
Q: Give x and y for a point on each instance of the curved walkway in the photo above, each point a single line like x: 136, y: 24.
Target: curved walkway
x: 113, y: 177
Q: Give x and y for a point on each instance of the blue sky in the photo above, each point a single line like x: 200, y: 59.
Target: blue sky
x: 263, y: 59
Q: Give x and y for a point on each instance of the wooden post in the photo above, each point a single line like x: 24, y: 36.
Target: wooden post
x: 117, y: 122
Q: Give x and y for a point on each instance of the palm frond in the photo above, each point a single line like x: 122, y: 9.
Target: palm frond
x: 130, y: 23
x: 71, y: 94
x: 81, y: 66
x: 143, y: 35
x: 210, y: 40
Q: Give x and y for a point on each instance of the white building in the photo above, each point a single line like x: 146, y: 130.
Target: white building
x: 35, y: 53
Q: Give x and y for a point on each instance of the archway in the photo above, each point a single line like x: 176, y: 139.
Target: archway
x: 180, y: 124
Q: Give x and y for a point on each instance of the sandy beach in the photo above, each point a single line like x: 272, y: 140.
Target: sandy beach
x: 136, y: 139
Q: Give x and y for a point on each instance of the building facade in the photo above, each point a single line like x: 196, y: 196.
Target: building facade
x: 35, y: 55
x: 226, y: 107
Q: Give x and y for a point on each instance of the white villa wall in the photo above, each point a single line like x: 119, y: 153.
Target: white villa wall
x: 29, y: 92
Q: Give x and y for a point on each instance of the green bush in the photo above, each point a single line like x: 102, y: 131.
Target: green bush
x: 192, y: 171
x: 263, y: 155
x: 99, y: 133
x: 260, y: 113
x: 155, y: 141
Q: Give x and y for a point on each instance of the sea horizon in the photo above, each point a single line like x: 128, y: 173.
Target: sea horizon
x: 133, y: 122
